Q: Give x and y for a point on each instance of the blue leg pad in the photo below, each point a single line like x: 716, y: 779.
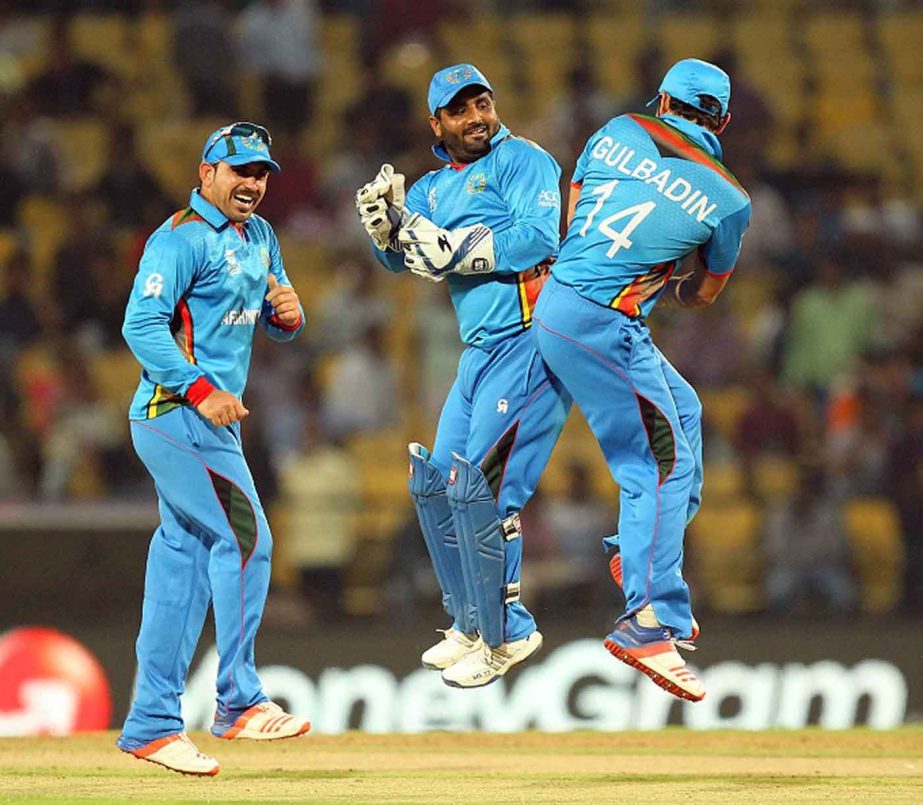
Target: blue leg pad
x: 481, y: 540
x: 428, y: 490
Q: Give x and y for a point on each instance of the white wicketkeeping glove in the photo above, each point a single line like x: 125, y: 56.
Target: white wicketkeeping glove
x: 433, y: 252
x: 380, y: 204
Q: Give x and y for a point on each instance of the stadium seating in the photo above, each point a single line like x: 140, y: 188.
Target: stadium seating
x: 721, y: 408
x: 577, y: 444
x: 83, y: 144
x: 775, y: 477
x: 723, y: 482
x: 688, y: 35
x: 854, y: 76
x: 382, y: 461
x: 877, y: 551
x: 615, y: 65
x: 106, y: 39
x: 723, y: 552
x: 44, y: 224
x: 115, y: 375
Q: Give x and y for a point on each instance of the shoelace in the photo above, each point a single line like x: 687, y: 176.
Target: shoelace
x: 457, y: 636
x: 199, y: 753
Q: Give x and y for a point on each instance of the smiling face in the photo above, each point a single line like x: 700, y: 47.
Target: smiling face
x: 466, y: 124
x: 236, y: 190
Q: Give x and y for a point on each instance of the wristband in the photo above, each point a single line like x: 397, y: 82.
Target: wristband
x: 199, y: 390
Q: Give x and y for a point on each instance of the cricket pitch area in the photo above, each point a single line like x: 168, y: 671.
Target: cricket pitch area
x: 673, y: 765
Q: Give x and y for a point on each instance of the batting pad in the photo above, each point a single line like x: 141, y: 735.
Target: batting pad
x: 428, y: 490
x: 481, y: 541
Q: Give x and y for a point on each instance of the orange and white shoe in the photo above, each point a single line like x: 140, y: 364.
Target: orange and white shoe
x: 653, y: 652
x: 265, y: 721
x: 177, y: 753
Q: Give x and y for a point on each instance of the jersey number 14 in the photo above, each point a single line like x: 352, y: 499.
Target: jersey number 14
x: 619, y: 237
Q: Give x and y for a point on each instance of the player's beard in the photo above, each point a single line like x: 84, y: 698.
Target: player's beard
x: 466, y: 148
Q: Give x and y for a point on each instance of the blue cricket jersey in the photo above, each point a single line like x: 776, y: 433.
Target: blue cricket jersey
x: 197, y: 297
x: 513, y: 189
x: 653, y: 190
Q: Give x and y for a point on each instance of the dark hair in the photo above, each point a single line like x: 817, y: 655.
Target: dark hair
x: 710, y: 119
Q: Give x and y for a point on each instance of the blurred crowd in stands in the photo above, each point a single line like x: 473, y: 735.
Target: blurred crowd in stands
x: 810, y: 366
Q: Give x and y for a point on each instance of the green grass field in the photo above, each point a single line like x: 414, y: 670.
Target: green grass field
x: 670, y: 766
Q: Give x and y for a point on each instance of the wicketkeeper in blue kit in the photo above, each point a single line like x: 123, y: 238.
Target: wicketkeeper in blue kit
x: 646, y: 193
x: 208, y: 276
x: 485, y: 223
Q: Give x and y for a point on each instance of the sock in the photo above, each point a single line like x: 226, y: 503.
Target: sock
x: 647, y: 618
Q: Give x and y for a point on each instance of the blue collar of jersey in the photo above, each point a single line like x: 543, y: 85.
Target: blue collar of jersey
x: 701, y: 135
x: 439, y: 149
x: 207, y: 210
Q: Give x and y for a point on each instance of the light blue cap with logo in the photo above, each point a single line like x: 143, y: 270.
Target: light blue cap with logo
x: 448, y: 82
x: 240, y: 144
x: 690, y: 78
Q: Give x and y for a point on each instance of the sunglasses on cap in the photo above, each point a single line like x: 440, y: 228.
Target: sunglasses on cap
x: 240, y: 129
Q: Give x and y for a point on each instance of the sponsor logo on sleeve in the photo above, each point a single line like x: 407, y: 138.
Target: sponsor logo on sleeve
x: 549, y: 198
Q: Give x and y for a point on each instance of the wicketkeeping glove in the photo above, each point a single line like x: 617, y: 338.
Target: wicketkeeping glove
x: 433, y: 252
x: 380, y: 204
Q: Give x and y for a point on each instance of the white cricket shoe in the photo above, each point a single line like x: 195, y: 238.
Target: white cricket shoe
x: 177, y: 753
x: 488, y: 664
x: 265, y: 721
x: 448, y: 651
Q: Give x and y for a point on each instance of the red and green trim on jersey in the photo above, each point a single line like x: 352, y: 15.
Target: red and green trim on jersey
x: 186, y: 216
x: 674, y: 141
x: 164, y: 400
x: 640, y: 289
x: 183, y: 332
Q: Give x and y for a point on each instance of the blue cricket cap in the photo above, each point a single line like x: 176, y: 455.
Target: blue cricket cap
x: 688, y: 79
x: 448, y: 82
x: 240, y: 144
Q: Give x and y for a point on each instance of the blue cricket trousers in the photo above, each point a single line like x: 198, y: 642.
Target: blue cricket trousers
x: 212, y: 546
x: 647, y: 420
x: 504, y: 413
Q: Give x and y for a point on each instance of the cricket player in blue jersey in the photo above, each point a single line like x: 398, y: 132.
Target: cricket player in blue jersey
x: 646, y: 193
x: 209, y: 274
x: 487, y: 223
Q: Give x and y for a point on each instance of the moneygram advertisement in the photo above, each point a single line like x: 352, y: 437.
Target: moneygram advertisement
x: 55, y: 683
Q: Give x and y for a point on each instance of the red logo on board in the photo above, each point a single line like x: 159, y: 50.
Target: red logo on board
x: 50, y: 685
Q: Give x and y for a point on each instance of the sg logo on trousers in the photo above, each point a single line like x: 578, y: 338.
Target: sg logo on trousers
x: 502, y: 406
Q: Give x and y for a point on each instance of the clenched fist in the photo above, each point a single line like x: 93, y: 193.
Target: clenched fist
x: 284, y: 302
x: 222, y: 408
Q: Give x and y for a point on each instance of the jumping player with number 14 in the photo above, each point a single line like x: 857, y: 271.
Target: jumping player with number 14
x: 646, y: 193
